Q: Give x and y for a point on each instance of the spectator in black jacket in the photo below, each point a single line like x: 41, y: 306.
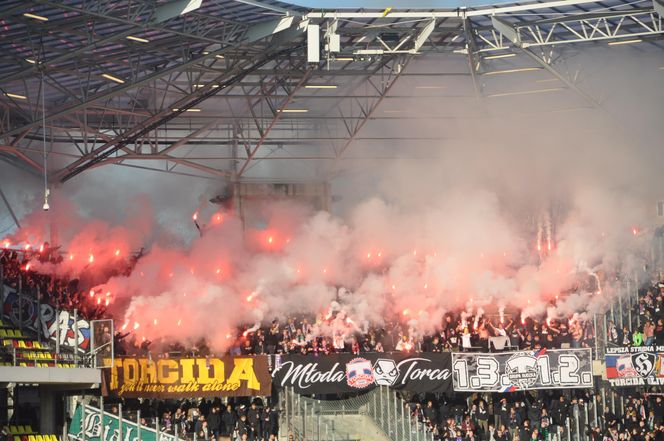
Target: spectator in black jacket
x: 244, y: 429
x: 254, y: 419
x: 270, y: 424
x: 214, y: 422
x: 229, y: 420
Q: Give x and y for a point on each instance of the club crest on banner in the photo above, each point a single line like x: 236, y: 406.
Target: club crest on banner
x: 521, y: 369
x: 644, y: 363
x: 359, y: 373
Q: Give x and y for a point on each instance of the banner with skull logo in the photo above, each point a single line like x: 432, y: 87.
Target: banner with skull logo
x: 347, y: 373
x: 522, y: 370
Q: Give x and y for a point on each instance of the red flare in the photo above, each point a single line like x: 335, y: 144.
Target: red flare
x: 414, y: 252
x: 217, y: 218
x: 408, y: 346
x: 548, y: 321
x: 155, y: 322
x: 635, y: 231
x: 368, y: 255
x: 7, y: 244
x: 179, y: 322
x: 41, y: 248
x: 228, y: 336
x: 394, y: 287
x: 91, y: 258
x: 250, y: 297
x: 92, y: 293
x: 218, y: 271
x: 117, y: 252
x: 405, y: 312
x: 124, y: 326
x: 539, y: 247
x: 325, y: 270
x: 523, y: 320
x: 136, y: 325
x: 380, y: 254
x: 27, y: 247
x: 71, y: 257
x: 548, y: 244
x: 27, y: 267
x: 99, y: 301
x: 269, y: 239
x: 195, y: 216
x: 426, y: 285
x: 107, y: 302
x: 108, y: 293
x: 244, y: 334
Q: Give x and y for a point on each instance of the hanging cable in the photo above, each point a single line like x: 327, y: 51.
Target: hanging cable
x: 46, y: 190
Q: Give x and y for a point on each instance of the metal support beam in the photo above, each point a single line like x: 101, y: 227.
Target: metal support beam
x: 111, y: 93
x: 274, y: 121
x: 573, y: 87
x: 579, y: 28
x: 395, y: 76
x: 133, y: 134
x: 9, y: 207
x: 474, y: 59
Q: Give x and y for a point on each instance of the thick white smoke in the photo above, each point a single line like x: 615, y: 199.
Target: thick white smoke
x: 524, y: 212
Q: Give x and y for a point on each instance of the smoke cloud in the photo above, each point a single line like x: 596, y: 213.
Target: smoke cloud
x: 525, y: 210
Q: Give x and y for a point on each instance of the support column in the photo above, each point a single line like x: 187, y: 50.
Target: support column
x: 47, y: 403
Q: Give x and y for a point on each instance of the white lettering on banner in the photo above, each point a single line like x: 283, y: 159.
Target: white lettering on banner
x: 307, y: 374
x: 522, y: 370
x: 634, y: 349
x: 93, y: 427
x: 66, y: 338
x: 412, y: 373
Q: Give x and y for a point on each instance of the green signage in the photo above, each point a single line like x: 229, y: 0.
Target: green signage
x: 87, y: 425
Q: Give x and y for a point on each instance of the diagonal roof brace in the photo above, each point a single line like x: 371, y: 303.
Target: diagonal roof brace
x: 506, y: 29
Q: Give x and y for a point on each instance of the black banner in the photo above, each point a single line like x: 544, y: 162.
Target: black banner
x: 523, y: 370
x: 347, y: 373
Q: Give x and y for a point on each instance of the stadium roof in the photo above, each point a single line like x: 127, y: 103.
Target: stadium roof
x: 229, y: 88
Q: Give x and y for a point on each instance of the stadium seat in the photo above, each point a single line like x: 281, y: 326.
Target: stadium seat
x: 13, y: 430
x: 39, y: 438
x: 17, y: 438
x: 31, y: 438
x: 3, y: 333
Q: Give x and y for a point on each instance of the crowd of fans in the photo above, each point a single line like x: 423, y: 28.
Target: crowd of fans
x: 456, y: 332
x: 206, y: 420
x: 62, y: 293
x: 303, y: 335
x: 541, y: 415
x: 648, y: 312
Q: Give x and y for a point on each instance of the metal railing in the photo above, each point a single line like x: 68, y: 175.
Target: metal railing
x: 390, y: 413
x: 338, y: 420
